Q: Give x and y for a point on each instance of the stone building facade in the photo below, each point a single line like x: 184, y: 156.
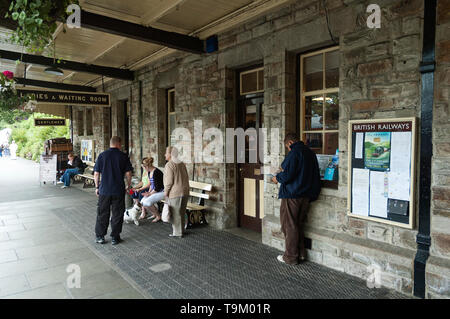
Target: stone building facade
x: 379, y: 78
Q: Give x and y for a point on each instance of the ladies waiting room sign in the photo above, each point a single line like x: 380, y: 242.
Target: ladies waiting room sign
x: 381, y: 179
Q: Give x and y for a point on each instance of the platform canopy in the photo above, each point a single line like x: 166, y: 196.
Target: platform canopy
x: 118, y: 37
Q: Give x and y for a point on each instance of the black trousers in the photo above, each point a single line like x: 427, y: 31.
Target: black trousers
x: 107, y: 206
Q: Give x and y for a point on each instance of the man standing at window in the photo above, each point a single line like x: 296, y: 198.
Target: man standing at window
x: 300, y: 185
x: 113, y: 165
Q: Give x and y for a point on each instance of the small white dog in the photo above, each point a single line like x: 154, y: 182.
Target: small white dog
x: 132, y: 215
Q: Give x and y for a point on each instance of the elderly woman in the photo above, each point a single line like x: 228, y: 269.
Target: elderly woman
x: 176, y: 190
x: 155, y: 193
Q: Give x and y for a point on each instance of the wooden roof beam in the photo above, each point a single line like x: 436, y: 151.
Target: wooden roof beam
x: 138, y: 32
x: 123, y: 74
x: 55, y: 85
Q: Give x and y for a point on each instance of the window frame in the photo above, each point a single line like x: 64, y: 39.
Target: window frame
x: 89, y: 122
x: 324, y: 92
x: 255, y: 70
x: 81, y: 127
x: 168, y: 105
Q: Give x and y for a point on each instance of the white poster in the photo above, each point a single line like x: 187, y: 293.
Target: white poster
x: 48, y: 168
x: 359, y: 145
x: 401, y: 153
x: 399, y: 186
x: 378, y: 195
x: 360, y: 192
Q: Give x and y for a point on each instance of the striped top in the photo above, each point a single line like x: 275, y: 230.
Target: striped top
x: 152, y: 183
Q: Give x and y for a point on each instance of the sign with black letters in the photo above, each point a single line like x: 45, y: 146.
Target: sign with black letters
x: 49, y: 122
x: 67, y: 97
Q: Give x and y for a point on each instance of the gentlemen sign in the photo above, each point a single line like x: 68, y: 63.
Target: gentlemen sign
x: 68, y: 98
x: 49, y: 122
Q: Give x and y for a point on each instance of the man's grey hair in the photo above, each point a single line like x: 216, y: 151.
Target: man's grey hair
x: 174, y: 153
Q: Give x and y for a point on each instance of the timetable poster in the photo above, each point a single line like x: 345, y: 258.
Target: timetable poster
x: 377, y: 148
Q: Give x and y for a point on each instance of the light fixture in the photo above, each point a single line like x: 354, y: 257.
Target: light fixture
x: 54, y: 71
x: 320, y: 99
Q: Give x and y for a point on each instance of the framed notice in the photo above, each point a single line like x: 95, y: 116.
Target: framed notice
x: 381, y: 175
x: 48, y: 169
x: 87, y: 151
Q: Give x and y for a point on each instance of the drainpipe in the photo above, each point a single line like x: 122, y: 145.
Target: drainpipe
x: 71, y: 122
x: 427, y: 68
x: 141, y: 129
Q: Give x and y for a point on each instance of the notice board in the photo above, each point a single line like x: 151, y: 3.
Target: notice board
x: 47, y: 169
x: 381, y: 170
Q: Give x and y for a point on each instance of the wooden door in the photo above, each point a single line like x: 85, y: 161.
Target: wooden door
x: 250, y: 179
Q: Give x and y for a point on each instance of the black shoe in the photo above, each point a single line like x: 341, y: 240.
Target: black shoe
x: 100, y: 240
x: 116, y: 240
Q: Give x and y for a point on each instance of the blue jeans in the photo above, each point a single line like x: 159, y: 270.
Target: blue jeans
x: 68, y: 174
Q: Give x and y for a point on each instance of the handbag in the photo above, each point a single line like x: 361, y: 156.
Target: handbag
x: 165, y: 216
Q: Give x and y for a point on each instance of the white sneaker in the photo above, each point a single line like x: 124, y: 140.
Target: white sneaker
x: 64, y: 187
x: 280, y: 259
x: 59, y: 182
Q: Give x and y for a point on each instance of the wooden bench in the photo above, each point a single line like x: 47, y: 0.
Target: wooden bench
x: 88, y: 176
x: 195, y: 210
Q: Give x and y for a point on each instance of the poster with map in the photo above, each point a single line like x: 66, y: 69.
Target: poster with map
x: 377, y: 151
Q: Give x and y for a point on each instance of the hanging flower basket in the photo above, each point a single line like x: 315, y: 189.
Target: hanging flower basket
x: 34, y: 21
x: 9, y: 98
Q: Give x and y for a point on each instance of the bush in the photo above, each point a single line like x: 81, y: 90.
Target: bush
x: 30, y: 139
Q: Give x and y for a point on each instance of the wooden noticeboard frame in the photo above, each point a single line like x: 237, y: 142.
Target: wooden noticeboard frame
x: 374, y: 126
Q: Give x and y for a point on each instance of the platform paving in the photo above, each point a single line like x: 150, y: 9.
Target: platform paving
x: 44, y: 228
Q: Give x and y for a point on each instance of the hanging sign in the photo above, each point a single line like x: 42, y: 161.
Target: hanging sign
x: 49, y: 122
x: 67, y: 97
x: 381, y: 170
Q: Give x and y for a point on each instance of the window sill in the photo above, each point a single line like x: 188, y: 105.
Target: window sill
x: 330, y: 184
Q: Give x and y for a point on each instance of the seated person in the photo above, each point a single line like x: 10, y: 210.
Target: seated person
x: 156, y: 192
x: 142, y: 187
x: 76, y: 166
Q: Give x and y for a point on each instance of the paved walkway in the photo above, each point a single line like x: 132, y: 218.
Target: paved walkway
x: 36, y: 248
x: 52, y: 228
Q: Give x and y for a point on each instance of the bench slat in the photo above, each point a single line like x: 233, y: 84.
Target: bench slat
x: 201, y: 186
x: 193, y: 206
x: 200, y: 195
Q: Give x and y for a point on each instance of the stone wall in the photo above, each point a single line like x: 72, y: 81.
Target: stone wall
x: 379, y: 78
x: 100, y: 124
x: 438, y: 266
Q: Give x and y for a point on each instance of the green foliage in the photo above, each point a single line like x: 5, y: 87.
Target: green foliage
x: 8, y: 117
x: 9, y: 99
x: 30, y: 139
x: 36, y: 20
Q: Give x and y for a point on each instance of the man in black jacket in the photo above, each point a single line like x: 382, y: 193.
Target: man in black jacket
x: 300, y: 185
x: 76, y: 166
